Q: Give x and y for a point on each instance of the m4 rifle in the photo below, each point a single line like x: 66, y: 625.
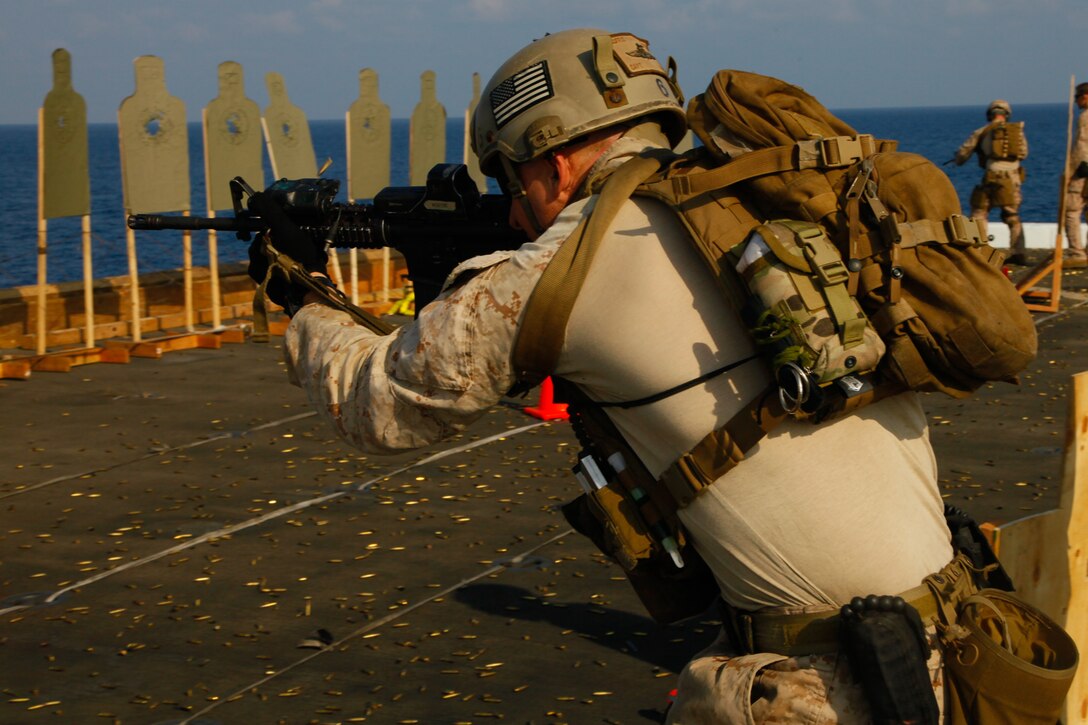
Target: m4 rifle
x: 435, y: 227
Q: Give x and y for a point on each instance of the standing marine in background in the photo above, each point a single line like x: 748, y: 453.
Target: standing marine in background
x: 1075, y: 192
x: 1000, y: 146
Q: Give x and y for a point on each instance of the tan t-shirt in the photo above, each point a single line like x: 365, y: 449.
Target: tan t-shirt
x: 817, y: 514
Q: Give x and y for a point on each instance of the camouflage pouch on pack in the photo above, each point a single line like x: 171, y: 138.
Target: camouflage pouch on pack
x: 800, y: 310
x: 931, y: 286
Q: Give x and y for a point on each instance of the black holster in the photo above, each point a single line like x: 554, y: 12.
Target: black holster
x: 888, y: 650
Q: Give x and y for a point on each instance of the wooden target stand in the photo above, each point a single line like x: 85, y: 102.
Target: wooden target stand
x: 63, y: 190
x: 1043, y: 299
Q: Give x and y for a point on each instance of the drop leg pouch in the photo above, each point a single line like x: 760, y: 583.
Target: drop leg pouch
x: 1005, y: 662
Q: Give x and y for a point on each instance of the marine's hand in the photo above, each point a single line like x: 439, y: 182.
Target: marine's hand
x: 288, y: 239
x: 258, y: 269
x: 286, y: 236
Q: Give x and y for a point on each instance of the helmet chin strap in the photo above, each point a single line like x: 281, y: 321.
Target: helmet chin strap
x: 518, y: 195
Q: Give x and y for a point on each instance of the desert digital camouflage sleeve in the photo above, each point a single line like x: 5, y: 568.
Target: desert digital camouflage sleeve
x: 970, y: 145
x: 1079, y: 152
x: 431, y: 378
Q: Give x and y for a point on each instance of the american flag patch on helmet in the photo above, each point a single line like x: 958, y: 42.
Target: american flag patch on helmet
x: 521, y: 91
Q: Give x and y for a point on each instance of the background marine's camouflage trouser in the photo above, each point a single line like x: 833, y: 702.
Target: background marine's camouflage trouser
x: 718, y: 686
x: 1000, y: 189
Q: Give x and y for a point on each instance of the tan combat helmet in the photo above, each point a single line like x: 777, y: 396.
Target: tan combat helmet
x: 998, y: 106
x: 567, y: 85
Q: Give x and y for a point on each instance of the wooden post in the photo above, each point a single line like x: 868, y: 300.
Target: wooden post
x: 187, y: 274
x: 387, y: 274
x: 353, y: 258
x: 213, y: 274
x: 133, y: 282
x: 334, y: 269
x: 39, y: 343
x: 1046, y: 554
x: 43, y: 227
x: 88, y: 281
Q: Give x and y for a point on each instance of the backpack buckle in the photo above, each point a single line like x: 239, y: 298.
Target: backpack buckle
x: 834, y: 152
x: 822, y: 256
x: 962, y: 230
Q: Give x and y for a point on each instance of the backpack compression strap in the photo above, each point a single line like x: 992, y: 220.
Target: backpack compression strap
x: 821, y: 153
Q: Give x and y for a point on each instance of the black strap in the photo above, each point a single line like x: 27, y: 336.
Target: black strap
x: 676, y: 389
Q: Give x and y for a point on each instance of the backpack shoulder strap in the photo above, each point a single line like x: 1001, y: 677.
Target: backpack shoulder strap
x: 543, y: 328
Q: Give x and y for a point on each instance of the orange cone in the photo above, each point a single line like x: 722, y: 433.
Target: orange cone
x: 548, y: 409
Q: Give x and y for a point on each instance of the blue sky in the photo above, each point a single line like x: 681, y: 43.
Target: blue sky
x: 849, y: 53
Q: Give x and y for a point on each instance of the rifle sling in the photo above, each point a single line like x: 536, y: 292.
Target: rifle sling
x: 544, y: 323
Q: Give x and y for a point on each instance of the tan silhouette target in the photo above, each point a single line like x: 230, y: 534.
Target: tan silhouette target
x: 427, y: 134
x: 469, y: 156
x: 287, y: 134
x: 368, y: 140
x: 66, y: 184
x: 232, y: 138
x: 154, y: 143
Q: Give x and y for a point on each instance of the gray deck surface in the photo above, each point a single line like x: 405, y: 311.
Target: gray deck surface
x: 178, y: 535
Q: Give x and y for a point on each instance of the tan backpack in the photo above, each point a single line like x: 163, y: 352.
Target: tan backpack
x: 1008, y: 141
x: 932, y: 288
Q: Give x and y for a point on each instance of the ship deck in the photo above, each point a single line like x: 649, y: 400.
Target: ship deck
x: 184, y: 541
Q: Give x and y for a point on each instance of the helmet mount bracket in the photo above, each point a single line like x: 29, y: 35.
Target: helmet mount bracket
x: 608, y: 72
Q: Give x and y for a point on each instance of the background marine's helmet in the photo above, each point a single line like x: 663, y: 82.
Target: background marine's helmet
x: 999, y: 106
x: 566, y: 85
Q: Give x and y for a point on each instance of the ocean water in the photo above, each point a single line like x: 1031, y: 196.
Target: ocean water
x: 932, y: 132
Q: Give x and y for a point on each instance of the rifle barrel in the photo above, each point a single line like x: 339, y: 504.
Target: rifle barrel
x: 223, y: 224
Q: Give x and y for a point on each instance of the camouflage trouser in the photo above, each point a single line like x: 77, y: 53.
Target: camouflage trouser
x: 720, y: 687
x: 1000, y: 189
x: 1074, y: 210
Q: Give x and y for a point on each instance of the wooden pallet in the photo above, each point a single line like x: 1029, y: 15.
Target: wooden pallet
x: 157, y: 347
x: 14, y: 369
x: 117, y: 351
x: 59, y: 361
